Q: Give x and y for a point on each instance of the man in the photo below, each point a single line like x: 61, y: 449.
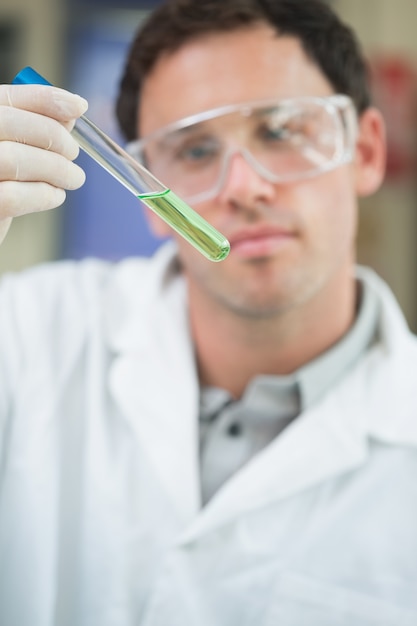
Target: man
x: 197, y: 443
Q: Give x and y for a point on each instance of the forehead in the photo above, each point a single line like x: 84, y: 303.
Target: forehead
x: 227, y: 68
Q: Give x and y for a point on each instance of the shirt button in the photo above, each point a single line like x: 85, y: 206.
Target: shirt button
x: 235, y: 429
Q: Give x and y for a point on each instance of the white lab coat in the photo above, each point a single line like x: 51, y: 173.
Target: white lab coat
x: 100, y: 516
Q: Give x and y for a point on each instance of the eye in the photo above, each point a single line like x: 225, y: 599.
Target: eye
x: 197, y: 151
x: 274, y: 133
x: 284, y: 130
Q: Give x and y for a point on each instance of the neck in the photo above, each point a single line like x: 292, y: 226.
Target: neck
x: 240, y: 348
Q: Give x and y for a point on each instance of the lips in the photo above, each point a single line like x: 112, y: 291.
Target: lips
x: 261, y: 241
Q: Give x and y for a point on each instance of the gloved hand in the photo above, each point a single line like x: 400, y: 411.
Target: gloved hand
x: 36, y: 149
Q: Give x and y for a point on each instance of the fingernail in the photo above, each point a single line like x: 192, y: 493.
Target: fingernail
x: 70, y: 105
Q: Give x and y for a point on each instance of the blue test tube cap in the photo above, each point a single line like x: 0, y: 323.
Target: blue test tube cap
x: 28, y: 76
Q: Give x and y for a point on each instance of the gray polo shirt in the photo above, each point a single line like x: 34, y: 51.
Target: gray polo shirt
x: 233, y: 431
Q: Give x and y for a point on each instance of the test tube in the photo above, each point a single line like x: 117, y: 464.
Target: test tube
x: 139, y: 181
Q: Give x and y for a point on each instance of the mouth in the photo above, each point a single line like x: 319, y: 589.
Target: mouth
x: 252, y: 243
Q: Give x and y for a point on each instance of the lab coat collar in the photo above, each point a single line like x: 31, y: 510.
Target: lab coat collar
x: 152, y: 376
x: 390, y: 377
x: 136, y: 287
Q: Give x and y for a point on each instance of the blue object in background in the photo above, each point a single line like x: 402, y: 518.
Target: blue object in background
x: 102, y: 219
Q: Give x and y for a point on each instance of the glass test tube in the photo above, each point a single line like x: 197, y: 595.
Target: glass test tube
x: 135, y: 177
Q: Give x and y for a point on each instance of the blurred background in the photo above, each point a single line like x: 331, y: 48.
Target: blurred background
x: 80, y: 45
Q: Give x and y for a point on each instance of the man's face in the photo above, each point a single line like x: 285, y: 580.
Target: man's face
x: 289, y: 241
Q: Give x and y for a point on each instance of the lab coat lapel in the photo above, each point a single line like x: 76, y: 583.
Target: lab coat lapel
x: 152, y: 380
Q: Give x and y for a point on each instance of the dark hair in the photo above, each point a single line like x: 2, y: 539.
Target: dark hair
x: 325, y: 38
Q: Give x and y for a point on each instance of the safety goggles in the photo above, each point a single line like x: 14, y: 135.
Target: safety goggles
x: 284, y: 141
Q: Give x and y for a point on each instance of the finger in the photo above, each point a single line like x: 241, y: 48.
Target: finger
x: 53, y: 102
x: 29, y: 164
x: 36, y: 130
x: 17, y: 198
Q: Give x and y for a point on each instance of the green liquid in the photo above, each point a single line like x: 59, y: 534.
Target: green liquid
x: 185, y: 221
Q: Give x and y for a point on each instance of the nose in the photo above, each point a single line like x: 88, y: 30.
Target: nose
x: 242, y: 184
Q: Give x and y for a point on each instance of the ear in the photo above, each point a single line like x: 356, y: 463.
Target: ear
x: 370, y: 157
x: 157, y: 224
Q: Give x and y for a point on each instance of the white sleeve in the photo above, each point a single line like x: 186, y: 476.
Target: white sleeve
x: 43, y: 316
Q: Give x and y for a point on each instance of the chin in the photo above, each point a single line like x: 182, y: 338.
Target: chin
x: 257, y: 306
